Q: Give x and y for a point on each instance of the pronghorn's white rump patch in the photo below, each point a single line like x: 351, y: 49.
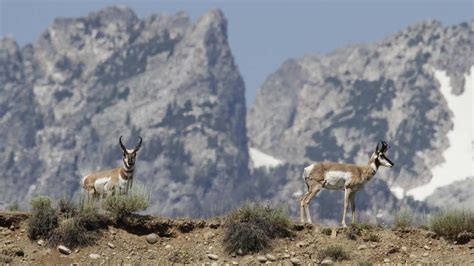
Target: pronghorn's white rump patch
x: 337, y: 179
x: 307, y: 171
x: 100, y: 184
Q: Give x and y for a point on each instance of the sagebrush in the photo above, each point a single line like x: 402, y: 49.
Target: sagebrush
x: 120, y: 206
x: 450, y: 224
x: 44, y: 218
x: 334, y: 252
x: 252, y: 227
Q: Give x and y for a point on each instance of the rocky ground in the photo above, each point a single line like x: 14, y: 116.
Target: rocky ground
x: 200, y: 241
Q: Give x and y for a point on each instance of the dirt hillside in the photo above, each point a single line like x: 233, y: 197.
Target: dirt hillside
x: 200, y: 241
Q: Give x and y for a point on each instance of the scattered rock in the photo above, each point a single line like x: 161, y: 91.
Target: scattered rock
x: 362, y: 247
x: 64, y: 250
x: 430, y: 234
x: 426, y: 247
x: 300, y: 244
x: 94, y: 256
x: 412, y: 256
x: 215, y: 223
x: 152, y: 238
x: 387, y: 260
x: 262, y: 259
x: 111, y: 245
x: 271, y: 257
x: 41, y: 242
x: 5, y: 259
x: 404, y: 249
x: 286, y: 255
x: 463, y: 238
x: 208, y: 235
x: 212, y: 256
x: 240, y: 252
x: 295, y: 261
x: 426, y: 254
x: 327, y: 262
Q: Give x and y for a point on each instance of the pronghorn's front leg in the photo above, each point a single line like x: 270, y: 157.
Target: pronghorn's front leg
x: 347, y: 193
x: 353, y: 206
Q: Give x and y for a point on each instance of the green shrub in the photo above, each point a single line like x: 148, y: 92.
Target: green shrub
x: 252, y: 227
x: 72, y: 233
x: 450, y: 223
x: 88, y: 216
x: 120, y: 206
x: 67, y: 207
x: 44, y: 218
x: 403, y: 219
x: 14, y: 207
x: 335, y: 252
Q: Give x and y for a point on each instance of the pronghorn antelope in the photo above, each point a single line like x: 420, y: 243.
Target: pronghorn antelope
x: 340, y: 176
x: 106, y: 183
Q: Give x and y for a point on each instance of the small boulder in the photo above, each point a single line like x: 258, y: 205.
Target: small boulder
x: 41, y: 242
x: 111, y: 245
x: 386, y: 260
x: 295, y: 261
x: 426, y: 247
x: 152, y: 238
x: 271, y: 257
x: 262, y: 259
x: 94, y: 256
x: 212, y: 256
x: 404, y: 249
x: 64, y: 250
x: 327, y: 262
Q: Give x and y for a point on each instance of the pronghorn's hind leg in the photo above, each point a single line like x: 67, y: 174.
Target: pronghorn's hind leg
x: 306, y: 199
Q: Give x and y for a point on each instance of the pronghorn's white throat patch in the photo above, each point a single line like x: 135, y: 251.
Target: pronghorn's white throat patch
x: 337, y: 179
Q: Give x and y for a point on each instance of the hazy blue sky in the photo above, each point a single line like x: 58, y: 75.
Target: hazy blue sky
x: 262, y: 34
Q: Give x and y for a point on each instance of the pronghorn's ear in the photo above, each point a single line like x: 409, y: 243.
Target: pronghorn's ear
x: 385, y: 146
x: 377, y: 148
x: 139, y: 145
x: 121, y: 145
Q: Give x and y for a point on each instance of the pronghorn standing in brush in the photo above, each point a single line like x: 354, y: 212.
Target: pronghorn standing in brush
x: 340, y: 176
x: 108, y: 182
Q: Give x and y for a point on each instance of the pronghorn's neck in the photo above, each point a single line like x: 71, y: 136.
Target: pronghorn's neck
x: 371, y: 169
x: 126, y: 172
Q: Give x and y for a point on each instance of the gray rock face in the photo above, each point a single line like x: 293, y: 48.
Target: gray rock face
x: 337, y: 106
x: 457, y: 195
x: 66, y: 99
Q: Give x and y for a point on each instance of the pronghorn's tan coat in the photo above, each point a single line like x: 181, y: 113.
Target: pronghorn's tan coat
x: 108, y: 182
x: 339, y: 176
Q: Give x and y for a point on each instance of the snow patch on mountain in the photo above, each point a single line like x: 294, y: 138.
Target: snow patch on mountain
x: 261, y: 159
x: 458, y: 157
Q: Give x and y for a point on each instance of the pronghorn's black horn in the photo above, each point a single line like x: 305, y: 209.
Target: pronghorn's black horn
x: 139, y: 144
x: 385, y: 146
x: 377, y: 148
x: 121, y: 145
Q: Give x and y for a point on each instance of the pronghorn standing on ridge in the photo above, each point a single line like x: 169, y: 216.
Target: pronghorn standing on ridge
x: 106, y: 183
x: 339, y: 176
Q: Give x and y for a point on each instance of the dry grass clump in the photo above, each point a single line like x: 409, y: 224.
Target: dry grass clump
x: 120, y: 206
x: 403, y: 219
x: 453, y: 224
x: 14, y: 207
x: 252, y: 227
x: 180, y: 256
x: 334, y: 252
